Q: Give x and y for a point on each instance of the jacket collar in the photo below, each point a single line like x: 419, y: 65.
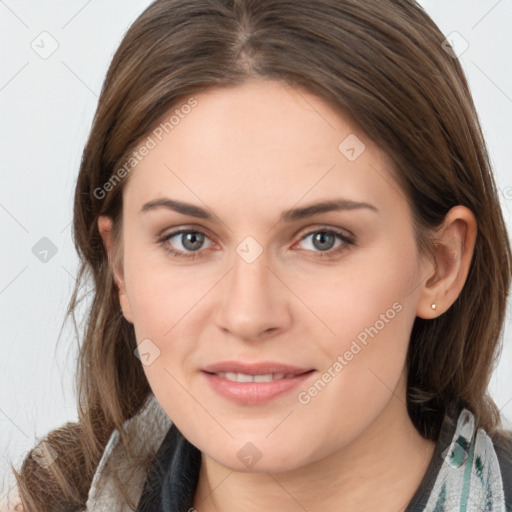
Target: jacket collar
x: 147, y: 429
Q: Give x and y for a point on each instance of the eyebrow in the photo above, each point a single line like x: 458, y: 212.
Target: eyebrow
x: 291, y: 215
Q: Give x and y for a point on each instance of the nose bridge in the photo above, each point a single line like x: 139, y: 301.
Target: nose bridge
x: 250, y: 279
x: 253, y: 301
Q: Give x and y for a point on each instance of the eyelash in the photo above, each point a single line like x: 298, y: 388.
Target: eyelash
x: 347, y: 241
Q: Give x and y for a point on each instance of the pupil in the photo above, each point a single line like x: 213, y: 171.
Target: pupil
x: 195, y: 238
x: 321, y: 237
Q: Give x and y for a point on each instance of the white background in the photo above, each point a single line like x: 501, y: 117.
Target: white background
x: 47, y: 107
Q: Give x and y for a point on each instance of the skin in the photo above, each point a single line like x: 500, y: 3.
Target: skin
x: 247, y: 154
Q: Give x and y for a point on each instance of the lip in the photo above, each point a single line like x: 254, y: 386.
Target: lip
x: 260, y: 368
x: 253, y: 393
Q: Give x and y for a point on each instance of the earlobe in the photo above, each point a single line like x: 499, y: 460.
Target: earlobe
x: 105, y: 228
x: 453, y: 252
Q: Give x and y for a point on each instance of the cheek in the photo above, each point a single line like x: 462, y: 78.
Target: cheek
x: 164, y: 308
x: 364, y: 360
x: 367, y: 316
x: 160, y: 295
x: 370, y: 298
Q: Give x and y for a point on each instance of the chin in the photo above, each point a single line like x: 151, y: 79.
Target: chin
x: 258, y: 457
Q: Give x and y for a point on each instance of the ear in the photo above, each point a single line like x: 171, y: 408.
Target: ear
x: 105, y: 229
x: 453, y: 251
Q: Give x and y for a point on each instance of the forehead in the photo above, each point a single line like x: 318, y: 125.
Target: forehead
x: 258, y: 143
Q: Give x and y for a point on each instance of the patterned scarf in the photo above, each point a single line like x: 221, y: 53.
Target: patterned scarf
x: 469, y: 478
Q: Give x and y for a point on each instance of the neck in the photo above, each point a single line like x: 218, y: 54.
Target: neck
x: 380, y: 470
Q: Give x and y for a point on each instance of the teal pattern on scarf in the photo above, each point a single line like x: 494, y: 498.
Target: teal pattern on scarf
x: 470, y: 477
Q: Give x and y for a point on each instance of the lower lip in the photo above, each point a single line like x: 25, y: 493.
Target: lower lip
x: 252, y: 393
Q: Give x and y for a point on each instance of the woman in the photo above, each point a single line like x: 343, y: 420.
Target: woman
x: 300, y: 269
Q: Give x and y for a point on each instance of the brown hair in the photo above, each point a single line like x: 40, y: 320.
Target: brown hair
x: 382, y: 63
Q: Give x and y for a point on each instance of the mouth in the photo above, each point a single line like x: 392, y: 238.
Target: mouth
x: 254, y: 383
x: 245, y: 377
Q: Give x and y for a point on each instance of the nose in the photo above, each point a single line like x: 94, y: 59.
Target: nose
x: 254, y: 303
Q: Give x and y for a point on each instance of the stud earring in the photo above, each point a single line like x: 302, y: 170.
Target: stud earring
x: 434, y: 306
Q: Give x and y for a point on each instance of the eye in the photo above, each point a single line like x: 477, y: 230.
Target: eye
x: 323, y: 242
x: 189, y: 239
x: 192, y: 242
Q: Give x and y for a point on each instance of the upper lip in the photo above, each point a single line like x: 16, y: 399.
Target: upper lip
x: 261, y: 368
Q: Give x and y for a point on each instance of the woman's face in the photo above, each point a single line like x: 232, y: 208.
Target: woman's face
x: 266, y: 283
